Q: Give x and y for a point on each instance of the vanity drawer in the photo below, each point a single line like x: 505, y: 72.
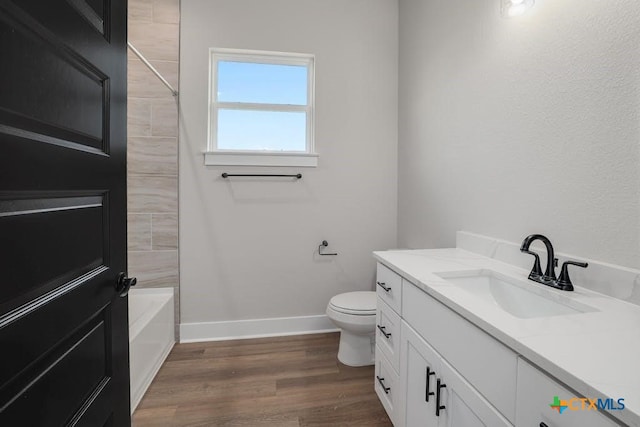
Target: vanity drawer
x: 387, y: 384
x: 460, y: 343
x: 388, y: 333
x: 536, y: 391
x: 389, y: 287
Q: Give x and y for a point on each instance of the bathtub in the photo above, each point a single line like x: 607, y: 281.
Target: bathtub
x: 151, y: 336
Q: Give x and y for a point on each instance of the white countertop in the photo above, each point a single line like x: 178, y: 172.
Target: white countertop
x: 597, y: 353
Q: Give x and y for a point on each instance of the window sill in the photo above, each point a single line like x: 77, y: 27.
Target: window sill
x: 256, y: 158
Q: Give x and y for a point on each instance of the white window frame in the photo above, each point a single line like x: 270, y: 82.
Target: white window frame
x: 215, y: 156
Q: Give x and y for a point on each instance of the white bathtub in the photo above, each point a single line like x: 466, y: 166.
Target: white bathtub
x: 151, y: 336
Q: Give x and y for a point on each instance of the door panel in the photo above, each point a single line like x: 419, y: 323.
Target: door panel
x: 460, y: 415
x: 93, y: 11
x: 416, y: 357
x: 77, y: 85
x: 85, y: 356
x: 68, y: 78
x: 52, y: 332
x: 63, y: 327
x: 462, y: 405
x: 37, y: 239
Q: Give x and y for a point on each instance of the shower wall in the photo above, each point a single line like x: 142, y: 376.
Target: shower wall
x: 152, y: 151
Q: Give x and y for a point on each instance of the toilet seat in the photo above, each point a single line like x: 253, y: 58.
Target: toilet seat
x: 355, y: 303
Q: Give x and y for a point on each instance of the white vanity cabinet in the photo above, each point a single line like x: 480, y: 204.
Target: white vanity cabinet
x: 435, y: 394
x: 495, y: 367
x: 416, y: 339
x: 536, y: 392
x: 483, y: 361
x: 388, y: 338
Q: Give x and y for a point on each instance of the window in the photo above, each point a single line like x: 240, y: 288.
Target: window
x: 260, y: 109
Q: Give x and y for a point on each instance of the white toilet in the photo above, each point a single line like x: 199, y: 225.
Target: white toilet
x: 355, y: 314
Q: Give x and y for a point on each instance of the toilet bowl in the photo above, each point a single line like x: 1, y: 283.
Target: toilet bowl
x: 355, y: 314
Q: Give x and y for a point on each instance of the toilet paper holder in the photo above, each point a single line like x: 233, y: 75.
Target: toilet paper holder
x: 324, y: 244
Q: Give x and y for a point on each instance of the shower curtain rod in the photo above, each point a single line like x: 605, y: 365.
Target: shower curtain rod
x: 152, y: 68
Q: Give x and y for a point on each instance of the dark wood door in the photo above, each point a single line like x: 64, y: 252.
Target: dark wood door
x: 63, y: 326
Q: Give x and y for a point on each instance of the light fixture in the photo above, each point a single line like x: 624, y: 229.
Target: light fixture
x: 512, y: 8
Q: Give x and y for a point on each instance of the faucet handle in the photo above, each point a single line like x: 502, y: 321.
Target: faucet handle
x: 564, y: 281
x: 536, y: 271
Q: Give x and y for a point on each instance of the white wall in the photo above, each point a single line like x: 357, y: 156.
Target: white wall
x: 514, y: 126
x: 247, y: 247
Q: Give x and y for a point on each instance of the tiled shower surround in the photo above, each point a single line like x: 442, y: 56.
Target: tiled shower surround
x: 152, y: 151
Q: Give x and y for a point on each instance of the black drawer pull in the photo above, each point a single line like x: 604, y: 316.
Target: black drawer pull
x: 439, y: 407
x: 382, y: 285
x: 428, y: 393
x: 385, y: 388
x: 543, y: 425
x: 384, y: 332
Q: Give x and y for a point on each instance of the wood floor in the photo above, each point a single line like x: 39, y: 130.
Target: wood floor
x: 283, y: 382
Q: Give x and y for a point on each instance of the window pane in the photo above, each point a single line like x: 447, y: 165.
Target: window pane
x: 261, y: 130
x: 262, y: 83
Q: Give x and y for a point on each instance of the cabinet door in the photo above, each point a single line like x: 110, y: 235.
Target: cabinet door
x: 388, y: 333
x: 389, y: 287
x: 419, y: 369
x: 461, y: 405
x: 536, y: 394
x: 480, y: 359
x: 386, y: 385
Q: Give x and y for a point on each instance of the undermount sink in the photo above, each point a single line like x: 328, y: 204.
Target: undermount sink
x: 520, y: 298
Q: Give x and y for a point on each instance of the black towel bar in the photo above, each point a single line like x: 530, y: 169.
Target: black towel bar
x: 297, y: 175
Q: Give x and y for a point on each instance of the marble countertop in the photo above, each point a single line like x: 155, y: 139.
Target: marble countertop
x: 596, y: 353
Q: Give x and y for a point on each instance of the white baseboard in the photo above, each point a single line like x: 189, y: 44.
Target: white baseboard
x: 255, y: 328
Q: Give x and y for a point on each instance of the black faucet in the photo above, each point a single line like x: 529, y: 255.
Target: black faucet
x: 549, y: 276
x: 564, y: 282
x: 536, y: 273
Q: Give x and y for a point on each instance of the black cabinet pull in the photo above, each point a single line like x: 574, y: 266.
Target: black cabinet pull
x: 381, y: 381
x: 439, y: 407
x: 428, y: 393
x: 543, y: 425
x: 382, y: 285
x: 386, y: 334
